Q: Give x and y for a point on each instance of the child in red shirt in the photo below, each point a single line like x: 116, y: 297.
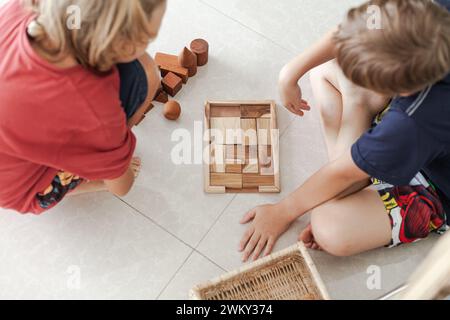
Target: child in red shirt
x: 69, y: 96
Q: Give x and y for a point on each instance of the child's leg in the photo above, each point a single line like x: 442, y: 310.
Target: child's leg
x: 98, y: 186
x: 329, y: 101
x: 139, y: 82
x: 347, y: 111
x: 351, y: 225
x: 357, y: 222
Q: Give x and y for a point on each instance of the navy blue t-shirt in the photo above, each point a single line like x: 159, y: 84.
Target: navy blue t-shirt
x: 413, y: 136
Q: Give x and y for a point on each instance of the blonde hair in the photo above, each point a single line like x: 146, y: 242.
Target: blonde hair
x: 410, y: 51
x: 107, y: 26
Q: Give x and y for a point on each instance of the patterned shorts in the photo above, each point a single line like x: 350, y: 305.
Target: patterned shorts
x: 415, y: 211
x: 62, y: 184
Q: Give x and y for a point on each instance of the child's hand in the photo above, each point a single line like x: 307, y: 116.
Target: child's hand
x: 291, y: 96
x: 269, y: 222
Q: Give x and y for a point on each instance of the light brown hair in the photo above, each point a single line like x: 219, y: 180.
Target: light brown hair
x: 409, y: 51
x: 106, y: 25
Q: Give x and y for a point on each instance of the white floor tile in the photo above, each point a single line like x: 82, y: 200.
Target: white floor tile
x: 197, y: 270
x: 293, y: 24
x: 347, y: 278
x: 116, y: 253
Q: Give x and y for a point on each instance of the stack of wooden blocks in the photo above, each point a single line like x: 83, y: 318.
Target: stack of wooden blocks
x: 243, y: 147
x: 177, y: 69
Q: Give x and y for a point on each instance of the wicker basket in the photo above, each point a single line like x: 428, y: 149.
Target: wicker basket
x: 287, y: 275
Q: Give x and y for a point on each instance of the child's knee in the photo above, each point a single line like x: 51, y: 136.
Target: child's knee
x: 321, y: 80
x: 330, y: 233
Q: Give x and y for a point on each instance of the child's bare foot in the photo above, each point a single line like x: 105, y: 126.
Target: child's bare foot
x: 307, y: 237
x: 136, y: 165
x: 99, y: 186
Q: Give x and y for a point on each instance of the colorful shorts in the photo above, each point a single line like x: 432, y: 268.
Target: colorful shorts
x: 61, y: 185
x: 415, y: 211
x: 133, y: 93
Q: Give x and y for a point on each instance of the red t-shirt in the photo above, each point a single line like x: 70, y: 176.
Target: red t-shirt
x: 53, y: 119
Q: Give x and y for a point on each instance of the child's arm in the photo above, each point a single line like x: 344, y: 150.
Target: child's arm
x: 319, y: 53
x: 269, y: 222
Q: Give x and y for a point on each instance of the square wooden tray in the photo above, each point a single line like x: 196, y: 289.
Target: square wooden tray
x: 242, y: 141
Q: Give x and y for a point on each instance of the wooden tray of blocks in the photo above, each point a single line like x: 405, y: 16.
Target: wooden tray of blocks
x: 287, y: 275
x: 243, y: 147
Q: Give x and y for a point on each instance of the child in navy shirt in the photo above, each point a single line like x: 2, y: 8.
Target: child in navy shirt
x: 388, y: 179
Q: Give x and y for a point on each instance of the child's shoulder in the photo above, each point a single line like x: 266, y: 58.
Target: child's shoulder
x: 433, y: 99
x: 428, y: 109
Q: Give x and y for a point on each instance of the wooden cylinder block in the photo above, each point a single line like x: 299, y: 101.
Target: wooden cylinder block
x: 201, y: 48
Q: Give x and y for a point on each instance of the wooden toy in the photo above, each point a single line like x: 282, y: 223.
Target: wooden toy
x: 187, y: 59
x: 256, y: 111
x: 141, y: 113
x: 248, y: 161
x: 161, y: 96
x: 226, y: 111
x: 264, y: 132
x: 251, y: 160
x: 217, y: 158
x: 201, y: 48
x: 229, y: 180
x: 172, y: 84
x: 287, y: 275
x: 249, y: 132
x: 226, y: 130
x: 169, y: 63
x: 172, y: 110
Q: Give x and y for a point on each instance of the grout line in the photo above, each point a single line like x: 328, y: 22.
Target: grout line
x: 210, y: 260
x: 136, y: 211
x: 174, y: 275
x: 246, y: 27
x: 215, y: 221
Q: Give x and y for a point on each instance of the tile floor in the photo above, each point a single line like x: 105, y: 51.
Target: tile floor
x: 167, y: 235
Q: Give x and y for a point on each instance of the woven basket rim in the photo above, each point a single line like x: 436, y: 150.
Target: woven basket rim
x: 298, y: 249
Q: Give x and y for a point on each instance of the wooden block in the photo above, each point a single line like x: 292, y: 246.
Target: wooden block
x: 161, y: 96
x: 251, y: 154
x: 169, y: 63
x: 233, y: 168
x: 228, y: 180
x: 251, y: 111
x: 217, y: 158
x: 264, y: 131
x: 255, y: 180
x: 201, y: 48
x: 226, y: 111
x: 226, y: 130
x: 187, y: 59
x: 251, y: 160
x: 234, y: 154
x: 251, y: 168
x: 266, y: 166
x: 172, y: 84
x: 249, y: 132
x: 243, y: 190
